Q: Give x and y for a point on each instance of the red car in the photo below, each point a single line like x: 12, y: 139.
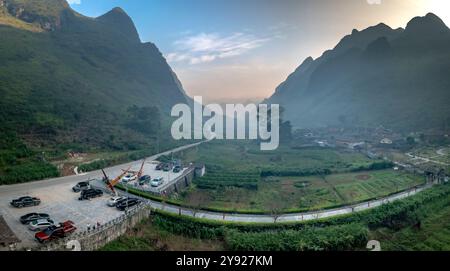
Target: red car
x: 55, y: 232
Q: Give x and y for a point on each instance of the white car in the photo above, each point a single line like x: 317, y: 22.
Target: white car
x: 157, y: 182
x: 41, y: 224
x: 114, y: 200
x: 129, y: 178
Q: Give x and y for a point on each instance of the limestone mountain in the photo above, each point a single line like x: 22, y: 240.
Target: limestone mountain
x: 379, y: 76
x: 80, y: 81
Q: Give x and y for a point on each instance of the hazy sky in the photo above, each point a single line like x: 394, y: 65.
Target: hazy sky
x: 229, y: 50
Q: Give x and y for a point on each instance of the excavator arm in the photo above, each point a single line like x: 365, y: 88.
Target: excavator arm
x: 141, y: 170
x: 112, y: 183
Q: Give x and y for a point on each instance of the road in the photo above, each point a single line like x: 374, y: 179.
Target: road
x: 27, y: 188
x: 295, y: 217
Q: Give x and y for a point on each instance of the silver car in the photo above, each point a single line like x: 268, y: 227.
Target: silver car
x: 41, y: 224
x: 157, y: 182
x: 114, y: 200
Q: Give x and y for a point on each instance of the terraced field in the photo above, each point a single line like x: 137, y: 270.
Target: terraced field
x: 291, y: 194
x: 241, y: 178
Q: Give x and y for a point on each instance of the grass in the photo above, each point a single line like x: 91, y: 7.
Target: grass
x: 148, y: 237
x: 433, y: 235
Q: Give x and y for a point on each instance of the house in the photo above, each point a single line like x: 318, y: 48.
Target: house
x: 386, y: 141
x: 357, y: 145
x: 200, y: 170
x: 372, y: 155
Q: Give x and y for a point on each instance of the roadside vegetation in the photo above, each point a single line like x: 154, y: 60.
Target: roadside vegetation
x: 414, y: 223
x: 148, y: 237
x: 19, y: 163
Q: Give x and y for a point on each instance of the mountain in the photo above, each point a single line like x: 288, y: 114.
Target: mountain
x: 67, y: 78
x: 74, y: 83
x: 379, y: 76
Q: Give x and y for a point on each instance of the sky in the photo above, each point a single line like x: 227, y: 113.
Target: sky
x: 241, y: 50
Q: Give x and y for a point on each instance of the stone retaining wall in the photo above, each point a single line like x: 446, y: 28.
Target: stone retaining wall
x: 96, y: 238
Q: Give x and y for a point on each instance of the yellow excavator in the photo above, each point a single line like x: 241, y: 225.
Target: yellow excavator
x: 111, y: 183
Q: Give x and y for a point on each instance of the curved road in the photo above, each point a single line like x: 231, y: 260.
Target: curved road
x: 295, y: 217
x: 9, y: 190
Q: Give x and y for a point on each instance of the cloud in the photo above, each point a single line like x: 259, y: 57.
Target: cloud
x: 207, y: 47
x: 74, y: 2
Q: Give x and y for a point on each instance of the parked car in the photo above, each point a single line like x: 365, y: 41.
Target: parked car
x: 114, y: 200
x: 90, y: 194
x: 159, y: 166
x: 81, y: 186
x: 129, y: 178
x: 41, y: 224
x: 145, y: 179
x: 128, y: 203
x: 167, y: 167
x: 157, y: 182
x: 177, y: 169
x: 25, y: 202
x: 55, y: 232
x: 28, y: 218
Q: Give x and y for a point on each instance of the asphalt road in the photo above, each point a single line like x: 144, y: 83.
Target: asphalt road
x: 26, y: 188
x: 295, y: 217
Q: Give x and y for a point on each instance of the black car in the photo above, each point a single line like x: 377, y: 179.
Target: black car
x: 25, y: 202
x: 128, y: 203
x: 160, y: 166
x: 27, y: 219
x: 81, y: 186
x: 144, y: 179
x: 90, y: 194
x: 177, y: 169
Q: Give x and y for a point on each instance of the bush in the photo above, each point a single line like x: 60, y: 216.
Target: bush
x: 333, y: 238
x: 28, y: 172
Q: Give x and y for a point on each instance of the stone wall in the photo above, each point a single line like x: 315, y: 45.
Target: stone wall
x: 99, y: 237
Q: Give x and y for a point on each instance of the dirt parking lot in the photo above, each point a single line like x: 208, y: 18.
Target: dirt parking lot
x: 61, y: 204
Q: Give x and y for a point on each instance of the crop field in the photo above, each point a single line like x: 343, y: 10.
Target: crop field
x: 290, y: 194
x: 240, y: 178
x: 246, y: 157
x: 432, y: 235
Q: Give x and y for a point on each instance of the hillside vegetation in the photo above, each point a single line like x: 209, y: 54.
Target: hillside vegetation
x: 73, y: 83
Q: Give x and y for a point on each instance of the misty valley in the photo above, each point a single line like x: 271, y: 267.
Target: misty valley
x: 127, y: 128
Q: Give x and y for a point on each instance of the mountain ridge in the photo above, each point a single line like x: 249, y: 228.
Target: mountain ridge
x: 346, y: 82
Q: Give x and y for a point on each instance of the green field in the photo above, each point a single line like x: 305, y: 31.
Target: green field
x: 240, y: 178
x: 244, y: 156
x: 291, y: 194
